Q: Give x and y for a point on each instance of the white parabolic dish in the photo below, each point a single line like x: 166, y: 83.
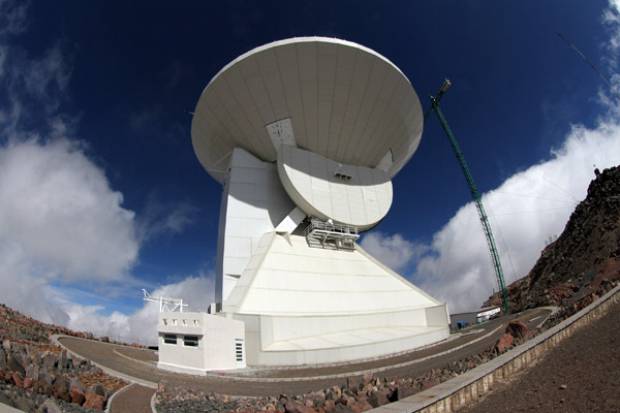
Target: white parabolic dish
x: 332, y: 97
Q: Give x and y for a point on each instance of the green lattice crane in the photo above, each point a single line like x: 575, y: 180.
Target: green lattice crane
x: 475, y: 194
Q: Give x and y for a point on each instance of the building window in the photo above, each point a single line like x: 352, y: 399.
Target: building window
x: 165, y: 322
x: 190, y: 341
x: 170, y: 339
x: 196, y: 323
x: 174, y: 321
x: 184, y: 322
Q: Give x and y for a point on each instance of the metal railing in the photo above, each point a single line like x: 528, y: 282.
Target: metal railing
x: 329, y: 235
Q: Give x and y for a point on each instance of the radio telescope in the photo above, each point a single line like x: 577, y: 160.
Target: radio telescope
x: 305, y: 136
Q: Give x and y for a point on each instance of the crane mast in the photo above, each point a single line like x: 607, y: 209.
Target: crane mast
x: 475, y: 194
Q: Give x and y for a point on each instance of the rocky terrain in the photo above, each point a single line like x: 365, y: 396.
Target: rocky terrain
x: 36, y: 375
x: 584, y: 262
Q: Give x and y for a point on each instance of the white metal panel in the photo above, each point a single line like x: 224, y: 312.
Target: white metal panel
x: 292, y: 278
x: 255, y: 203
x: 330, y: 197
x: 332, y: 91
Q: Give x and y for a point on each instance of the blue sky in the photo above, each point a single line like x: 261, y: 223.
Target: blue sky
x: 132, y: 73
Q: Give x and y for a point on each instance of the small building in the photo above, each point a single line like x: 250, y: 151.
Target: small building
x: 461, y: 320
x: 195, y: 343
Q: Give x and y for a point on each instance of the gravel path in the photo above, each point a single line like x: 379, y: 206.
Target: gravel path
x: 581, y: 375
x: 134, y: 399
x: 105, y: 355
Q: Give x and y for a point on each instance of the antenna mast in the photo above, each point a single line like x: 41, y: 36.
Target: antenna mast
x: 166, y: 304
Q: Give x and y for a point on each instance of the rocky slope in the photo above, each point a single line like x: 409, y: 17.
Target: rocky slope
x: 584, y: 262
x: 36, y: 375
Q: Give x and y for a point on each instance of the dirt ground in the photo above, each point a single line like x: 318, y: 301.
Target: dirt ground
x: 581, y: 375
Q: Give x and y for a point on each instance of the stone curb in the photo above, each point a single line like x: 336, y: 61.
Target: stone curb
x: 460, y: 391
x: 154, y: 403
x: 118, y: 374
x: 116, y: 393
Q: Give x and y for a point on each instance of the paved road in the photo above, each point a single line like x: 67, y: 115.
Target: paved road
x: 139, y: 364
x: 133, y: 399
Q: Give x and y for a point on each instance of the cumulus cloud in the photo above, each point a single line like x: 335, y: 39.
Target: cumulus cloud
x: 61, y: 224
x: 525, y: 211
x: 57, y: 208
x: 141, y: 326
x: 393, y: 250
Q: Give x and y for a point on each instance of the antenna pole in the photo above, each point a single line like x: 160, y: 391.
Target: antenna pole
x: 475, y: 194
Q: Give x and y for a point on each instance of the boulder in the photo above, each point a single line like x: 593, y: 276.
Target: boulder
x: 360, y: 405
x: 48, y: 360
x: 379, y: 397
x: 50, y: 406
x: 93, y: 401
x: 517, y: 329
x: 294, y: 407
x: 98, y: 389
x: 18, y: 379
x: 14, y: 364
x: 61, y: 389
x: 28, y: 382
x: 2, y: 359
x: 504, y: 343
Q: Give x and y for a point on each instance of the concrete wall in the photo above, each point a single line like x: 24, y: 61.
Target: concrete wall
x: 216, y: 349
x: 253, y: 203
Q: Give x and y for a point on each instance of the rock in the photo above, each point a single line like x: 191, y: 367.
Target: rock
x: 379, y: 397
x: 4, y: 399
x: 24, y: 403
x: 77, y: 395
x: 334, y: 393
x: 360, y: 405
x: 563, y: 387
x: 517, y: 329
x: 2, y: 359
x: 18, y: 379
x: 13, y: 364
x: 32, y: 371
x: 93, y: 401
x: 48, y: 360
x: 28, y: 382
x: 294, y: 407
x: 504, y: 343
x: 329, y: 406
x: 60, y: 389
x: 98, y: 389
x: 50, y: 406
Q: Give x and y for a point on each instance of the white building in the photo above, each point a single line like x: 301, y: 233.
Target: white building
x: 305, y: 135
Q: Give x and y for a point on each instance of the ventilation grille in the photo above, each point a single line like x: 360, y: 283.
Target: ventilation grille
x: 239, y: 350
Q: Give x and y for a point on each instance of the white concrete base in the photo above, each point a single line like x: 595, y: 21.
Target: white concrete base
x: 303, y: 305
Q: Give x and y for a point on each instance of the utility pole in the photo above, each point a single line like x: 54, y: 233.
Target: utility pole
x: 475, y: 194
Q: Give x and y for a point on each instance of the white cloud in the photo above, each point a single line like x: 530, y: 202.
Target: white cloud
x: 61, y: 224
x: 57, y: 207
x: 159, y: 218
x: 141, y: 326
x: 392, y: 250
x: 525, y: 211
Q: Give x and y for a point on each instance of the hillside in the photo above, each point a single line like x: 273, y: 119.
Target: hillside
x: 584, y: 262
x: 37, y: 375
